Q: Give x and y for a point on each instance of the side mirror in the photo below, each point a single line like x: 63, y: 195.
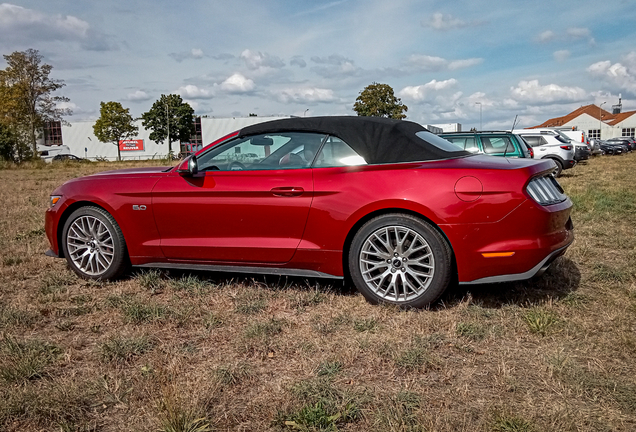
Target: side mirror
x: 189, y: 166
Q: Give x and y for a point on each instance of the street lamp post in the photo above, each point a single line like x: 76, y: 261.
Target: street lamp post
x: 600, y: 117
x: 168, y: 128
x: 479, y: 103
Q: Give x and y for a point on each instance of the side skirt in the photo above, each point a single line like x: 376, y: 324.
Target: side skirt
x: 241, y: 269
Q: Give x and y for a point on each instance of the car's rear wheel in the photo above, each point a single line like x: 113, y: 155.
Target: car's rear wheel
x: 400, y: 259
x: 93, y: 244
x: 559, y: 167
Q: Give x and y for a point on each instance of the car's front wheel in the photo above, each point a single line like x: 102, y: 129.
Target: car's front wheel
x: 400, y: 259
x: 93, y: 244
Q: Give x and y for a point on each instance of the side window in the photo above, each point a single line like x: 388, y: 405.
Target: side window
x: 464, y: 143
x: 532, y: 141
x: 498, y: 145
x: 336, y: 153
x: 285, y: 150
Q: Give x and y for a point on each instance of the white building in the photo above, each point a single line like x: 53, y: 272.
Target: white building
x: 597, y: 122
x: 82, y: 142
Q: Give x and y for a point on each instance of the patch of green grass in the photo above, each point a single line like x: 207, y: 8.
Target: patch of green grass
x: 22, y: 361
x: 39, y: 232
x: 301, y: 300
x: 52, y: 405
x: 399, y: 413
x: 318, y: 417
x: 365, y: 325
x: 191, y: 284
x: 414, y: 358
x: 212, y: 321
x: 602, y: 272
x: 10, y: 316
x: 472, y: 331
x: 329, y: 368
x: 507, y: 423
x: 123, y: 349
x: 250, y: 303
x: 56, y: 282
x: 13, y: 260
x: 140, y: 313
x: 151, y: 280
x: 540, y: 321
x: 263, y: 330
x: 177, y: 415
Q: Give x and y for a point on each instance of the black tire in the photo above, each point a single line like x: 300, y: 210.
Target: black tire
x: 94, y: 245
x: 388, y: 261
x: 559, y: 168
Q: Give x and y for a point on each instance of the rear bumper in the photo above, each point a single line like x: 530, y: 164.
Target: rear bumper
x: 534, y: 271
x: 516, y: 247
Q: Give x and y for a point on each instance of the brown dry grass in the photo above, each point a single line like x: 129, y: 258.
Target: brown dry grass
x: 178, y: 351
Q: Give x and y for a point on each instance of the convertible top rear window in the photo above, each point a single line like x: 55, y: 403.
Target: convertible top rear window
x: 438, y: 142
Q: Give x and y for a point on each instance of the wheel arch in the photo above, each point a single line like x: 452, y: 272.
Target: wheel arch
x: 385, y: 211
x: 64, y: 217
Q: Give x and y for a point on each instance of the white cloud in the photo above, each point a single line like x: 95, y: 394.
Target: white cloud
x: 19, y: 25
x: 617, y: 74
x: 193, y: 92
x: 137, y: 96
x: 561, y: 55
x: 461, y: 64
x: 426, y: 63
x: 440, y: 21
x: 531, y: 92
x: 546, y: 36
x: 305, y: 95
x: 257, y: 60
x: 194, y: 54
x: 424, y: 91
x: 335, y: 66
x: 578, y: 32
x: 237, y: 83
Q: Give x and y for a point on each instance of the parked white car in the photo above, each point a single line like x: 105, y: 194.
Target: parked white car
x: 547, y: 144
x: 49, y: 152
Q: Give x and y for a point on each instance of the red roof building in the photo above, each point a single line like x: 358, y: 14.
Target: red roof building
x: 597, y: 122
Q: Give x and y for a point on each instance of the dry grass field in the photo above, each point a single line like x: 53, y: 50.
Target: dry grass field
x: 179, y: 351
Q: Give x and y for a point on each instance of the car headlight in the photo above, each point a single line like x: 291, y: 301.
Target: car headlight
x: 54, y: 199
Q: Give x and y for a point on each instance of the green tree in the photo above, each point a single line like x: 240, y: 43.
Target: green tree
x: 169, y: 118
x: 27, y: 90
x: 8, y: 144
x: 114, y: 124
x: 378, y: 100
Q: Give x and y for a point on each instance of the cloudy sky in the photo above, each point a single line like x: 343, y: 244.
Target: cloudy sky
x: 446, y: 60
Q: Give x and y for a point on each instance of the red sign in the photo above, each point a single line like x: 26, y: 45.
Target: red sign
x: 131, y: 145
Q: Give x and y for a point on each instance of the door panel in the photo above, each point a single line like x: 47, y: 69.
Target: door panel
x: 233, y: 216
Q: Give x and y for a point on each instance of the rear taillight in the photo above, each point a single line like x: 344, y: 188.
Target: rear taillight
x: 531, y: 153
x: 566, y: 147
x: 546, y: 190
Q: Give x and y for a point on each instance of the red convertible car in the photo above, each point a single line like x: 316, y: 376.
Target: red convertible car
x: 386, y: 203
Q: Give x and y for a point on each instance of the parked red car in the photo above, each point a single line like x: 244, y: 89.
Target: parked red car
x: 385, y: 202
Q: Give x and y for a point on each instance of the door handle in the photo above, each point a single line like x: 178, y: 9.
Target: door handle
x: 287, y: 191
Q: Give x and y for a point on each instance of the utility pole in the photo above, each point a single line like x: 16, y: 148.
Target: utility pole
x: 479, y: 103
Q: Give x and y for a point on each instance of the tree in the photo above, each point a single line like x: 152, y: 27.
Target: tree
x: 28, y: 89
x: 169, y: 118
x: 114, y: 124
x: 8, y: 144
x: 378, y: 100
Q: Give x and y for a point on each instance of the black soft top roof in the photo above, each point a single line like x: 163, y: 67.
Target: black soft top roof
x: 376, y: 139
